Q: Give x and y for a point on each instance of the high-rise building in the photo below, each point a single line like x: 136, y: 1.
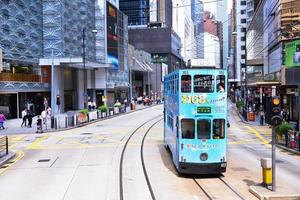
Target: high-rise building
x: 183, y: 25
x: 198, y: 19
x: 36, y: 35
x: 142, y: 13
x: 222, y: 17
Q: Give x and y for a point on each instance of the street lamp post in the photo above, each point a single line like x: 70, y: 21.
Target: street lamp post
x: 85, y: 95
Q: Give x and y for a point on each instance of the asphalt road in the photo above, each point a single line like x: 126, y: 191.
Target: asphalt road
x: 84, y: 163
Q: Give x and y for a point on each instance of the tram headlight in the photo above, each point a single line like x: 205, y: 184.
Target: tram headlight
x: 203, y: 156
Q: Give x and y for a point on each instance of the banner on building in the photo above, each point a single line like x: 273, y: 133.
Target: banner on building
x: 292, y: 54
x: 164, y: 71
x: 112, y: 37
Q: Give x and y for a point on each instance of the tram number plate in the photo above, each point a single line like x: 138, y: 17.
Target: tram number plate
x: 203, y: 109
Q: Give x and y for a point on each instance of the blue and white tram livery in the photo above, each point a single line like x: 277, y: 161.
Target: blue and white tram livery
x: 195, y: 116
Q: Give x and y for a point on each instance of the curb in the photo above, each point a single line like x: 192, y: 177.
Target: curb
x: 288, y: 149
x: 98, y: 120
x: 267, y: 194
x: 6, y: 158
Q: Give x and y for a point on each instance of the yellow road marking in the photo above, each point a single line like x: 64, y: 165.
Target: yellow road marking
x: 259, y: 136
x: 36, y: 144
x: 19, y: 156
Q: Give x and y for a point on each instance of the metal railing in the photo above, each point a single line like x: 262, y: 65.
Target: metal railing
x: 3, y: 146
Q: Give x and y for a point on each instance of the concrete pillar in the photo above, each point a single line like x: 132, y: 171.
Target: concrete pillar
x: 58, y: 89
x: 80, y: 88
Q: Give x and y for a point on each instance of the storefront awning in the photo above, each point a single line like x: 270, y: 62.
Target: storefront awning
x: 264, y: 84
x: 73, y: 63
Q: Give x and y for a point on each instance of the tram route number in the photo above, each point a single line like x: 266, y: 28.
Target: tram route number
x: 203, y: 110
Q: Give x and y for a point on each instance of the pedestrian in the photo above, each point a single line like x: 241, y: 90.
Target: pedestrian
x: 262, y: 116
x: 89, y: 105
x: 49, y: 112
x: 29, y: 117
x: 39, y: 125
x: 45, y: 103
x: 24, y: 117
x: 44, y: 116
x: 125, y: 102
x: 2, y: 119
x: 93, y: 105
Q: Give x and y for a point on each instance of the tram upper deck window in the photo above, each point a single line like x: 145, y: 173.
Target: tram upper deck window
x: 203, y: 129
x: 219, y: 128
x: 186, y: 83
x: 188, y: 128
x: 204, y: 83
x: 221, y: 83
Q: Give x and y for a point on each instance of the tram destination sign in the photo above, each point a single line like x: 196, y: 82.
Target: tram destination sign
x: 203, y: 109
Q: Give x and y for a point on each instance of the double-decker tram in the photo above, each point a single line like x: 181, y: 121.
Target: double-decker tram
x: 195, y: 116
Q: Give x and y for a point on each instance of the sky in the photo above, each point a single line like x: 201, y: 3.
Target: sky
x: 212, y: 6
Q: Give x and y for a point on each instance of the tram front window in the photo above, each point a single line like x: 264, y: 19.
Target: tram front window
x: 188, y: 128
x: 219, y: 128
x: 204, y: 83
x: 203, y: 129
x: 186, y: 83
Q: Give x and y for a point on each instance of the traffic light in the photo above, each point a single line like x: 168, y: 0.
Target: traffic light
x: 276, y: 118
x: 57, y: 100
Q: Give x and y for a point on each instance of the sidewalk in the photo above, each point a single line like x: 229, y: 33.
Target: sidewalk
x: 264, y: 130
x: 13, y: 126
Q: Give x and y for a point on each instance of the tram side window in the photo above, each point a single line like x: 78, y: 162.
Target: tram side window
x: 203, y: 83
x: 221, y: 83
x: 219, y: 128
x: 203, y: 129
x: 186, y: 83
x: 188, y: 128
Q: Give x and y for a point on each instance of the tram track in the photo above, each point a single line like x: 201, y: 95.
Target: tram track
x: 211, y: 196
x: 121, y: 184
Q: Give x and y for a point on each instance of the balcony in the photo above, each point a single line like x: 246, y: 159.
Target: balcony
x: 18, y: 77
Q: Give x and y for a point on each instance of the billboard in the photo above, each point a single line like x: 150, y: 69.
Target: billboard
x: 292, y: 54
x: 112, y: 37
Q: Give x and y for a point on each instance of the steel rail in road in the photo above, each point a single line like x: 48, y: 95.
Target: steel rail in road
x: 210, y: 197
x: 122, y: 159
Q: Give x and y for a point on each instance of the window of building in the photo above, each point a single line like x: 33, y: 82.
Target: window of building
x: 243, y: 47
x: 243, y: 12
x: 221, y: 83
x: 243, y: 20
x: 219, y: 128
x: 203, y: 83
x: 188, y: 128
x: 243, y: 56
x: 203, y: 129
x: 186, y: 83
x: 243, y: 38
x: 243, y: 30
x: 243, y: 3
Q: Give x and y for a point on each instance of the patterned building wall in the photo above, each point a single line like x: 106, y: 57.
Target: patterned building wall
x: 63, y: 23
x: 21, y: 29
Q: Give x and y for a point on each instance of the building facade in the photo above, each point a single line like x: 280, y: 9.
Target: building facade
x: 59, y: 33
x: 198, y: 20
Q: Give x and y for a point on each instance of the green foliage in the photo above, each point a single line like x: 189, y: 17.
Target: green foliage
x: 239, y: 104
x: 283, y: 128
x: 84, y: 111
x: 103, y: 108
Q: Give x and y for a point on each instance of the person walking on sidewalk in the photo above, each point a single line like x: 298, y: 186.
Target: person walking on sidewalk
x: 24, y: 117
x: 2, y: 119
x: 30, y: 116
x: 262, y: 116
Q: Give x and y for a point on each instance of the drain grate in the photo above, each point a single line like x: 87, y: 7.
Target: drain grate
x: 239, y: 169
x: 86, y: 134
x: 44, y: 160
